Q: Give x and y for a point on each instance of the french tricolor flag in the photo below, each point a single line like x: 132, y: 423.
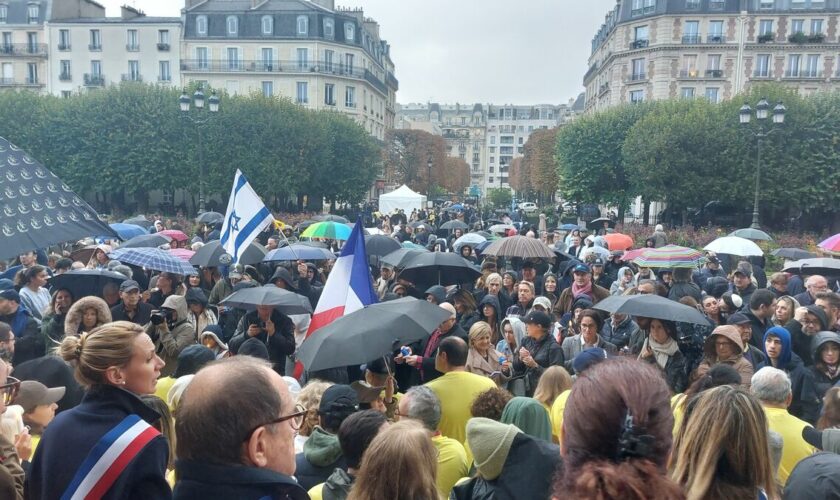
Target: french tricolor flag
x: 348, y: 287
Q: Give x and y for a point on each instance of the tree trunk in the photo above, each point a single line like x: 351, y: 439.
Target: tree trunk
x: 646, y: 212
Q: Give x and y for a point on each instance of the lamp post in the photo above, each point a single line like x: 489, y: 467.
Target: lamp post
x: 762, y: 110
x: 199, y: 117
x: 429, y: 188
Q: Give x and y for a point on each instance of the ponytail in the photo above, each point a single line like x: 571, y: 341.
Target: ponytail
x: 632, y: 479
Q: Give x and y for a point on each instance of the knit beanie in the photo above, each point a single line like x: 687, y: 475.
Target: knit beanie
x: 490, y: 443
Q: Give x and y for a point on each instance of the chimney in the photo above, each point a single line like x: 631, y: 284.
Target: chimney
x: 327, y: 4
x: 128, y: 12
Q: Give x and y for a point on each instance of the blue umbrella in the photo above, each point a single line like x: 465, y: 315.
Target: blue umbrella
x: 569, y: 227
x: 298, y: 251
x: 153, y: 258
x: 481, y: 246
x: 127, y: 231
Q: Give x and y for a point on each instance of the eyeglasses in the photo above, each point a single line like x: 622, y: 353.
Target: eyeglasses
x: 9, y: 390
x: 296, y: 420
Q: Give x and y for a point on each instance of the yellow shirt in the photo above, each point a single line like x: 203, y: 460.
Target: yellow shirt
x: 163, y: 386
x: 452, y: 464
x: 456, y: 392
x: 316, y: 492
x: 556, y: 413
x: 794, y: 448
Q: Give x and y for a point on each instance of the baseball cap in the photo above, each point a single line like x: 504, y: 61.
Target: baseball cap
x: 338, y: 398
x: 587, y: 358
x: 598, y: 262
x: 713, y: 260
x: 737, y: 319
x: 129, y: 285
x: 744, y: 268
x: 33, y: 394
x: 581, y: 268
x: 236, y: 271
x: 10, y: 295
x: 538, y: 318
x: 544, y: 302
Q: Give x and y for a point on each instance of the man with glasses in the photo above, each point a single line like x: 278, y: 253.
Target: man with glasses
x: 235, y: 432
x: 813, y: 285
x: 806, y: 322
x: 11, y: 473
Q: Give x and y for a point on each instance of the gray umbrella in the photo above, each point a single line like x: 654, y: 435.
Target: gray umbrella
x: 751, y: 234
x: 269, y: 295
x: 651, y: 306
x: 438, y: 268
x: 139, y: 220
x: 793, y: 253
x: 519, y: 246
x: 380, y: 245
x: 210, y: 218
x: 399, y: 258
x: 331, y: 218
x: 454, y: 224
x: 823, y: 266
x: 370, y: 333
x: 153, y: 240
x: 211, y: 255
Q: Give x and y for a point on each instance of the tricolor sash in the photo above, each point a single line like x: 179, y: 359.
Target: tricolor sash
x: 109, y: 458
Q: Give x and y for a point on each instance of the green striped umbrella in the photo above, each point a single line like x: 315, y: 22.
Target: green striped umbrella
x: 669, y: 256
x: 327, y: 229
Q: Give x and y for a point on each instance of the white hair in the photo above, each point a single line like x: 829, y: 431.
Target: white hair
x: 771, y: 385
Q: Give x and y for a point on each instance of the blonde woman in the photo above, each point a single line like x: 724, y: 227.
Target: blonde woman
x: 401, y: 462
x: 722, y: 449
x: 482, y: 358
x: 310, y: 397
x: 554, y: 381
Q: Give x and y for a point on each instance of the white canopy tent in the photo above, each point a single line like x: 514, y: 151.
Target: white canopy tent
x: 402, y: 198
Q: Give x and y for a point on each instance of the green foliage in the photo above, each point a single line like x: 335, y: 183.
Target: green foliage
x: 133, y: 139
x: 500, y: 197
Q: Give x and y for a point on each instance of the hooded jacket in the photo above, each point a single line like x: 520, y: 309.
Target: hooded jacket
x: 619, y: 287
x: 279, y: 345
x: 73, y: 320
x: 741, y: 365
x: 518, y: 334
x: 493, y: 302
x: 179, y: 334
x: 207, y: 317
x: 804, y: 403
x: 801, y: 340
x: 822, y: 381
x: 321, y: 455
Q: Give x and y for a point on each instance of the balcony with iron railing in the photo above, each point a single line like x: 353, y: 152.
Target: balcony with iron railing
x: 714, y: 73
x: 96, y: 47
x: 163, y: 47
x: 24, y: 49
x: 693, y: 38
x: 65, y: 77
x: 132, y: 47
x: 715, y: 38
x: 805, y: 74
x: 637, y: 77
x: 640, y: 43
x: 64, y: 47
x: 131, y: 77
x: 94, y: 80
x: 7, y: 82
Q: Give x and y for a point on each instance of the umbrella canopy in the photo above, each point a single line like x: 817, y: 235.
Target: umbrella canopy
x: 412, y: 245
x: 305, y: 225
x: 453, y: 224
x: 298, y: 251
x: 175, y: 234
x: 210, y: 218
x: 519, y: 246
x: 832, y: 244
x: 483, y: 246
x: 269, y: 295
x: 350, y: 340
x: 484, y: 233
x: 439, y: 268
x: 596, y: 250
x: 734, y: 245
x: 83, y: 255
x: 599, y: 223
x: 793, y: 253
x: 569, y: 227
x: 327, y: 229
x: 669, y: 256
x: 399, y: 258
x: 139, y: 220
x: 380, y: 245
x: 823, y: 266
x: 127, y: 231
x: 331, y: 218
x: 184, y: 254
x: 652, y: 306
x: 147, y: 241
x: 751, y: 234
x: 38, y: 209
x: 455, y: 208
x: 210, y: 255
x: 86, y: 282
x: 629, y: 255
x: 374, y: 230
x: 469, y: 239
x: 501, y: 228
x: 154, y: 259
x: 618, y: 241
x: 417, y: 223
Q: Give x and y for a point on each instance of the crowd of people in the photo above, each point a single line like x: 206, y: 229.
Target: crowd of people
x: 154, y: 388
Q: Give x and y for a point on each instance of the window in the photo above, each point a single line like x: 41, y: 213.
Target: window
x: 329, y: 28
x: 232, y: 25
x: 692, y: 4
x: 712, y: 94
x: 812, y: 66
x: 267, y: 54
x: 716, y: 32
x: 8, y: 75
x: 233, y: 59
x: 793, y: 65
x: 691, y: 32
x: 201, y: 57
x: 328, y: 60
x: 637, y: 96
x: 7, y: 41
x: 713, y: 62
x: 267, y: 25
x: 64, y: 74
x: 638, y: 69
x: 762, y: 65
x: 165, y: 72
x: 32, y: 73
x: 717, y: 4
x: 32, y: 42
x: 302, y: 25
x: 65, y: 94
x: 521, y: 139
x: 492, y: 139
x: 134, y: 71
x: 350, y: 97
x: 641, y: 7
x: 302, y: 58
x: 4, y: 14
x: 687, y: 92
x: 302, y: 96
x: 63, y: 39
x: 765, y: 27
x: 32, y: 14
x: 816, y: 26
x: 766, y: 4
x: 329, y: 94
x: 349, y: 32
x: 96, y: 68
x: 797, y: 26
x: 131, y: 43
x: 492, y: 159
x: 268, y: 89
x: 490, y: 180
x: 641, y: 33
x: 163, y: 37
x: 348, y: 58
x: 95, y: 40
x: 201, y: 25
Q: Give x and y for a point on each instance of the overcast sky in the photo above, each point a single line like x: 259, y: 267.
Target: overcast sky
x: 496, y: 51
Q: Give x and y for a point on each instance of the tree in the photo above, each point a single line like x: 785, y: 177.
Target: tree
x: 539, y: 164
x: 519, y: 178
x: 500, y: 197
x: 455, y: 175
x: 408, y: 153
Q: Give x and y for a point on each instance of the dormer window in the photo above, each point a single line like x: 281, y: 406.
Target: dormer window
x: 267, y: 25
x: 232, y: 25
x: 33, y: 12
x: 349, y: 32
x: 4, y: 13
x: 201, y: 25
x: 329, y: 28
x: 302, y: 25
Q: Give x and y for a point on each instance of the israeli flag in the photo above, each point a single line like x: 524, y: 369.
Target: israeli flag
x: 245, y: 218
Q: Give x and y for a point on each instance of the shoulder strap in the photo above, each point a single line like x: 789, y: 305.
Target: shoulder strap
x: 109, y: 458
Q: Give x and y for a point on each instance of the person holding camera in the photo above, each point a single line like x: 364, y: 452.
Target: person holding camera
x: 171, y: 331
x: 272, y: 328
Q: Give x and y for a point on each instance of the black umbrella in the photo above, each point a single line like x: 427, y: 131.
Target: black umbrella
x: 269, y: 295
x: 86, y: 282
x: 210, y: 218
x: 370, y: 333
x: 331, y: 218
x: 823, y: 266
x: 38, y: 210
x: 153, y: 240
x: 305, y: 224
x: 139, y: 220
x: 399, y: 258
x: 599, y: 223
x: 381, y: 245
x: 439, y: 268
x: 418, y: 223
x: 454, y: 224
x: 210, y: 255
x: 793, y: 253
x: 651, y: 306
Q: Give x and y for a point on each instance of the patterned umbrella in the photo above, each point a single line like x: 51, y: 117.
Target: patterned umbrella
x: 734, y: 245
x: 632, y: 254
x: 669, y: 256
x: 618, y: 241
x: 831, y: 244
x: 327, y: 229
x: 519, y: 246
x: 175, y: 234
x: 153, y: 258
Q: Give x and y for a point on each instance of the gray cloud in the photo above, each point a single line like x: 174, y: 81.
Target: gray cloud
x: 499, y: 51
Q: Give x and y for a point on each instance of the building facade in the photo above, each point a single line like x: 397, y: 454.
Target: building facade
x: 96, y: 51
x: 321, y: 57
x: 23, y: 51
x: 714, y: 49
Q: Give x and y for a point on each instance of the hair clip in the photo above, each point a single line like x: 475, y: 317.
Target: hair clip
x: 631, y: 445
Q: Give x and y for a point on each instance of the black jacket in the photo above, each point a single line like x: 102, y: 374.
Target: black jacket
x: 428, y: 363
x: 280, y: 345
x: 233, y: 482
x: 688, y: 289
x: 676, y: 374
x: 70, y: 437
x: 759, y: 328
x: 141, y: 316
x: 545, y: 352
x: 29, y: 343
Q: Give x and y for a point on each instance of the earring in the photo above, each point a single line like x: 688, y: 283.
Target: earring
x: 123, y: 382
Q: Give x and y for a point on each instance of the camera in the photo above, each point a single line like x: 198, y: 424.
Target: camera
x: 158, y: 317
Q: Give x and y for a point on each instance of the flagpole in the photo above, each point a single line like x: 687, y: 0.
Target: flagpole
x: 289, y: 244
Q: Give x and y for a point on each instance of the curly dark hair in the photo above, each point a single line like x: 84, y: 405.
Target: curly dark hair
x: 491, y: 403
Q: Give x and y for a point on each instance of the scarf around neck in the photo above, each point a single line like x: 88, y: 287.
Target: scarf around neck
x: 581, y: 290
x: 661, y: 351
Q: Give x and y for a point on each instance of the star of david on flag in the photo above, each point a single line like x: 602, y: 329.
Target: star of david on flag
x: 245, y: 218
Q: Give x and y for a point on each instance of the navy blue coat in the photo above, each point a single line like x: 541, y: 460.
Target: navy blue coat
x: 233, y: 482
x: 72, y: 434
